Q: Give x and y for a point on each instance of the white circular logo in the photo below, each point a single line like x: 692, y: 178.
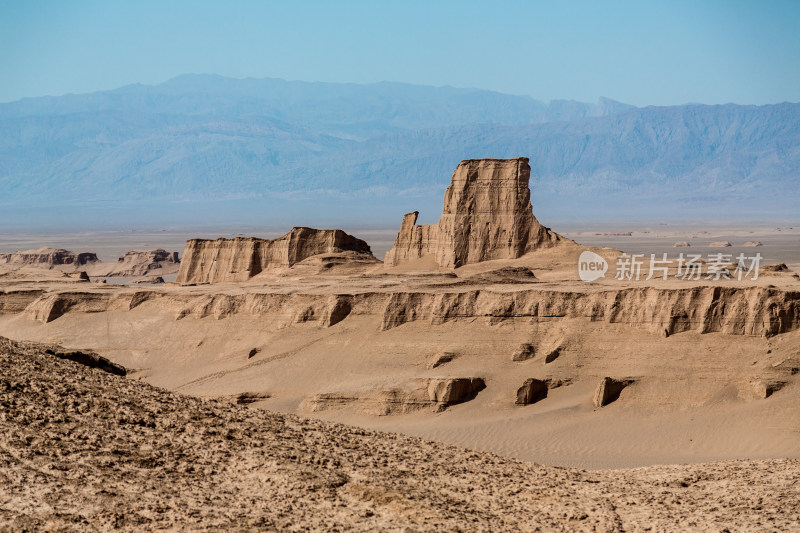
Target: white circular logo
x: 591, y: 266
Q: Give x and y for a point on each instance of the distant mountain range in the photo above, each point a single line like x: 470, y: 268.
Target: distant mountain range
x: 207, y: 139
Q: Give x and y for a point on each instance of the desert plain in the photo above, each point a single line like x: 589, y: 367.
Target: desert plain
x: 469, y: 381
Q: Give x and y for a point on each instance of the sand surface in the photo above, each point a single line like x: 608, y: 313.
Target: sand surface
x: 83, y: 450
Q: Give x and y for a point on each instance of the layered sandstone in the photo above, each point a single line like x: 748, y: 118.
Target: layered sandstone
x: 46, y: 257
x: 239, y: 259
x: 750, y: 311
x: 487, y: 215
x: 753, y: 311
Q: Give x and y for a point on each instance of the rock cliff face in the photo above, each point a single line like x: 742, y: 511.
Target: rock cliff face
x: 736, y: 311
x: 487, y: 215
x: 48, y: 258
x: 752, y: 311
x: 239, y: 259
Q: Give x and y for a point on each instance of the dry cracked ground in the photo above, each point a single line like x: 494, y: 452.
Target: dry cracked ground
x: 82, y: 450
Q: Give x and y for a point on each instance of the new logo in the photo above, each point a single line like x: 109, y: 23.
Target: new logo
x: 591, y: 266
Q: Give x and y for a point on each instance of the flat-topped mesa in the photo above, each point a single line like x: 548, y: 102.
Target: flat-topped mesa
x: 48, y: 258
x: 487, y: 215
x: 239, y: 259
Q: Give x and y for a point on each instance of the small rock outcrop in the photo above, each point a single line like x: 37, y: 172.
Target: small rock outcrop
x: 48, y: 258
x: 246, y: 398
x: 532, y: 391
x: 239, y: 259
x: 753, y: 243
x: 425, y: 393
x: 505, y: 275
x: 681, y: 244
x: 524, y: 352
x: 148, y: 280
x: 609, y: 390
x: 777, y: 267
x: 450, y: 391
x: 552, y: 355
x: 487, y: 215
x: 441, y: 358
x: 720, y: 244
x: 764, y: 388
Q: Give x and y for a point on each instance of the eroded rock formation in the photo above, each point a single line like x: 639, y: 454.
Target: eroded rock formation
x: 532, y: 391
x: 552, y: 355
x: 524, y: 352
x: 487, y: 215
x: 753, y: 311
x: 440, y: 359
x: 732, y: 310
x: 137, y: 263
x: 504, y: 275
x: 48, y: 258
x: 133, y: 264
x: 778, y: 267
x: 450, y: 391
x: 761, y: 388
x: 609, y: 390
x: 148, y: 280
x: 88, y: 358
x: 239, y: 259
x: 423, y: 393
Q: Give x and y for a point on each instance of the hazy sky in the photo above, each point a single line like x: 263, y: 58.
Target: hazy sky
x: 638, y: 52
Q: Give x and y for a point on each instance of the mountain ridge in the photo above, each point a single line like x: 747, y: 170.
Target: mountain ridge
x: 199, y: 137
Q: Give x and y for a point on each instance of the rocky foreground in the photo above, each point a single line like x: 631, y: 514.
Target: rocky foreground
x: 82, y: 449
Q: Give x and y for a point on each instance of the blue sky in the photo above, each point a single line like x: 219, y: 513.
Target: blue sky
x: 638, y: 52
